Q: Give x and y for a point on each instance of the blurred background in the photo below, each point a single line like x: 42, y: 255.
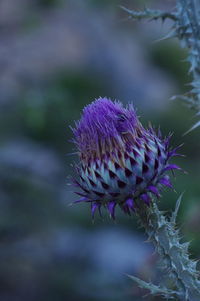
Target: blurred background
x: 56, y: 56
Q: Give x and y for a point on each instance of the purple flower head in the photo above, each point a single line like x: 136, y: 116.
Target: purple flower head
x: 121, y: 163
x: 104, y: 124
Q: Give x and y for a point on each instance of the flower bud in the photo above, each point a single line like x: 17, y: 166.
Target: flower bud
x: 120, y: 160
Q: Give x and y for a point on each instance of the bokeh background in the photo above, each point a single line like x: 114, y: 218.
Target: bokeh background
x: 56, y: 56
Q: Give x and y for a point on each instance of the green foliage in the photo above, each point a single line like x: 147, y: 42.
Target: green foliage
x: 42, y: 113
x: 49, y: 3
x: 173, y: 63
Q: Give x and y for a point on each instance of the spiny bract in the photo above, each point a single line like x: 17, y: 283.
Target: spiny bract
x: 120, y: 160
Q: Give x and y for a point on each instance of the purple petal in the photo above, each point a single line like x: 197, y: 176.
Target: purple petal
x: 130, y: 203
x: 178, y: 155
x: 83, y: 199
x: 171, y: 167
x: 146, y: 198
x: 94, y: 207
x: 166, y: 182
x: 167, y: 140
x: 154, y: 190
x: 111, y: 208
x: 173, y: 153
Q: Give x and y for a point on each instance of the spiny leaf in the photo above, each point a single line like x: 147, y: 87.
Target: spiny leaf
x: 150, y: 14
x: 171, y: 34
x: 154, y: 289
x: 196, y: 125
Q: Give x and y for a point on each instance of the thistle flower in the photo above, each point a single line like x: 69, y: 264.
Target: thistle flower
x: 121, y: 162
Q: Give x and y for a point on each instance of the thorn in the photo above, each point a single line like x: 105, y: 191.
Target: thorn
x: 170, y: 35
x: 197, y: 124
x: 175, y: 213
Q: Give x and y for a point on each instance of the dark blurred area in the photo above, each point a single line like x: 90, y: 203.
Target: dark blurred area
x: 55, y: 57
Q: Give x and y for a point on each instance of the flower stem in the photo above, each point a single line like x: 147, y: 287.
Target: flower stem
x: 174, y: 254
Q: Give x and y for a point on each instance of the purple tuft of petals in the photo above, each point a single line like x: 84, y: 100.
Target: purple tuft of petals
x: 103, y: 120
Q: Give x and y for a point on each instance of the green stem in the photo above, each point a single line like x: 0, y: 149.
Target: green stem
x: 174, y: 255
